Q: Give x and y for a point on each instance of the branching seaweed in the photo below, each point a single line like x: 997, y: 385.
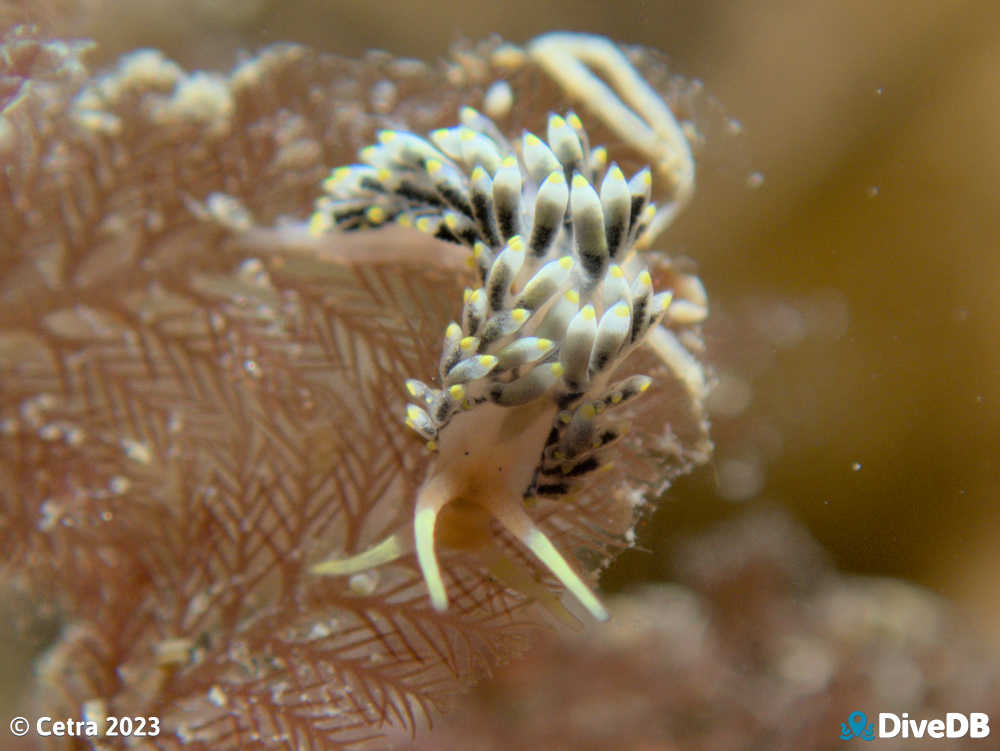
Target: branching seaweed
x: 197, y: 401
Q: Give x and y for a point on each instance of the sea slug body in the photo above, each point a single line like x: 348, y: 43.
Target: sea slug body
x: 523, y: 402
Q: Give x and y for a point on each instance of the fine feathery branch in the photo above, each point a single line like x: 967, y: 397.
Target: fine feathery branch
x: 197, y: 401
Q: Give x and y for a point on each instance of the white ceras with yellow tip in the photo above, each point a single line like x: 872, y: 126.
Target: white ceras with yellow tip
x: 526, y: 372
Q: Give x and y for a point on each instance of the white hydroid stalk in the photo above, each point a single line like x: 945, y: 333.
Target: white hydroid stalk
x: 633, y: 109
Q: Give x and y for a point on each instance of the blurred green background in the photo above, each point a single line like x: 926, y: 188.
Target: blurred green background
x: 853, y: 291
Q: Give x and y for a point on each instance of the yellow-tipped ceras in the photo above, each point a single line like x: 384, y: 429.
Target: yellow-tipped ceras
x: 526, y: 390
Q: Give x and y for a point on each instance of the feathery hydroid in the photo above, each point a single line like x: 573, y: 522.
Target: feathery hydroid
x: 197, y: 396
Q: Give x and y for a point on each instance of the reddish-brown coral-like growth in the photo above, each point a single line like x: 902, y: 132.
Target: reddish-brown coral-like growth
x: 196, y: 401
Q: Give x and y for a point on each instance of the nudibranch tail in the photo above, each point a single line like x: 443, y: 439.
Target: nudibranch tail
x: 524, y: 398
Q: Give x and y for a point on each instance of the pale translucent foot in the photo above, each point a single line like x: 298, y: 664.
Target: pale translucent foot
x: 390, y: 549
x: 515, y: 576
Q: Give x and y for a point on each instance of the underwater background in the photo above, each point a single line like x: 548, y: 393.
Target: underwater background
x: 853, y: 289
x: 844, y: 224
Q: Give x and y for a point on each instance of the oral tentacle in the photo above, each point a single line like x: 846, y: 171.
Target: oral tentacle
x: 519, y: 524
x: 431, y: 499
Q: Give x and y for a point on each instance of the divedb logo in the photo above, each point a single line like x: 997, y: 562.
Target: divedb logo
x: 952, y: 725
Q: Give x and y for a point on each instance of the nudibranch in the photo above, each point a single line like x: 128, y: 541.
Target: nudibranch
x: 527, y: 385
